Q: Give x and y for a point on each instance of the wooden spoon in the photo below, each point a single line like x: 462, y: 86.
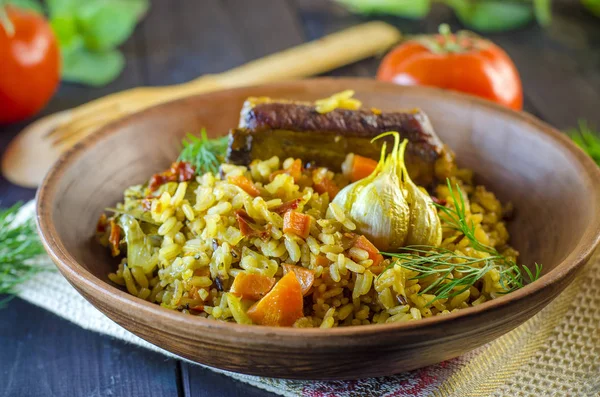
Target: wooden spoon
x: 38, y: 146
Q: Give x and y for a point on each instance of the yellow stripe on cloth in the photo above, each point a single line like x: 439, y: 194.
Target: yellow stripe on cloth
x: 496, y: 367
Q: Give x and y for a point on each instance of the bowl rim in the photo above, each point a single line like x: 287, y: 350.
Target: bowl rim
x: 77, y: 275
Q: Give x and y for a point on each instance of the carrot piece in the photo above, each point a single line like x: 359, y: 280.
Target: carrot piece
x: 321, y: 260
x: 203, y: 271
x: 287, y: 206
x: 180, y: 171
x: 295, y: 170
x: 305, y: 276
x: 251, y: 286
x: 114, y: 238
x: 193, y: 293
x: 282, y: 306
x: 363, y: 243
x: 362, y: 167
x: 249, y: 227
x: 245, y: 184
x: 102, y: 223
x: 326, y: 185
x: 297, y: 223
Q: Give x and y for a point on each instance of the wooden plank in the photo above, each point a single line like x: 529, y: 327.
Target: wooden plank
x: 185, y: 39
x: 202, y: 382
x: 560, y: 66
x: 320, y: 18
x: 265, y: 27
x: 44, y: 355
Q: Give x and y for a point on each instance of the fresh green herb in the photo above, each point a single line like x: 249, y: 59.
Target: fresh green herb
x: 492, y: 16
x: 89, y: 33
x: 428, y: 261
x: 512, y: 276
x: 481, y: 15
x: 456, y: 218
x: 587, y: 139
x: 542, y: 9
x: 592, y: 6
x: 441, y: 262
x: 19, y: 245
x: 203, y: 153
x: 415, y: 9
x: 32, y: 5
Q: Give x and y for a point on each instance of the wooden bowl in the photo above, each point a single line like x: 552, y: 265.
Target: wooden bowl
x: 554, y: 186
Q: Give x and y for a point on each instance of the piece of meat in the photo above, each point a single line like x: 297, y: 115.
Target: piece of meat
x: 295, y: 129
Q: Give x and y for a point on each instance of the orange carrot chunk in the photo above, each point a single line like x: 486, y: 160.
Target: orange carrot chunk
x: 325, y: 185
x: 249, y: 227
x: 363, y: 243
x: 321, y: 260
x: 305, y: 276
x: 114, y: 238
x: 251, y: 286
x: 282, y: 306
x: 245, y: 184
x: 362, y: 167
x: 295, y: 170
x: 203, y: 271
x: 296, y: 223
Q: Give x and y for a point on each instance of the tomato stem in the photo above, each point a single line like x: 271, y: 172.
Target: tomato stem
x: 447, y: 42
x: 5, y: 20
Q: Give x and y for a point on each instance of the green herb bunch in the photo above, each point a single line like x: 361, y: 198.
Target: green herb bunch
x: 89, y: 33
x: 593, y: 6
x: 205, y: 154
x: 19, y: 244
x: 480, y: 15
x: 428, y: 261
x: 587, y: 139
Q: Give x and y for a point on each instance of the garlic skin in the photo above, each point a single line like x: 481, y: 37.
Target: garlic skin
x: 379, y: 210
x: 425, y: 227
x: 388, y: 207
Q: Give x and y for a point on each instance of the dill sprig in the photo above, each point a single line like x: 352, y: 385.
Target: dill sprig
x: 19, y: 244
x: 443, y: 263
x: 587, y: 139
x: 456, y: 218
x: 205, y: 154
x: 457, y: 273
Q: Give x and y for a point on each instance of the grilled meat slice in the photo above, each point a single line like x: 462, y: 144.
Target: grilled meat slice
x: 295, y: 129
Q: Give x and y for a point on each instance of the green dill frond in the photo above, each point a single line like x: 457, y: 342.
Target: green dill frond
x: 587, y: 139
x: 205, y: 154
x: 456, y: 218
x: 19, y: 244
x: 455, y: 273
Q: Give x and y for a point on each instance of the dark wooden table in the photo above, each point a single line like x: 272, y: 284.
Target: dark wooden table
x: 44, y: 355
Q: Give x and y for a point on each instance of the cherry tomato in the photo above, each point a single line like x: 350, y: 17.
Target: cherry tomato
x: 462, y: 62
x: 29, y: 63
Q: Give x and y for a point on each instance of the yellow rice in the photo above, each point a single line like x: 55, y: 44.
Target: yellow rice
x: 199, y: 230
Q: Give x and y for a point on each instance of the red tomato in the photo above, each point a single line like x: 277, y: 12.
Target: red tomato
x: 29, y: 63
x: 462, y: 62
